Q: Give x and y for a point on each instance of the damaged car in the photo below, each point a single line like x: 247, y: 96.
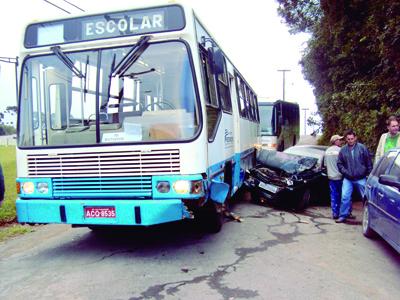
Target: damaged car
x: 290, y: 179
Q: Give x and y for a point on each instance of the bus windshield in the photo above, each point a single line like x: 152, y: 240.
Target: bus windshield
x: 77, y: 97
x: 267, y: 119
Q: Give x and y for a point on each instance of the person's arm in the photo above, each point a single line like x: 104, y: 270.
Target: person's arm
x: 379, y: 149
x: 368, y: 162
x: 341, y: 164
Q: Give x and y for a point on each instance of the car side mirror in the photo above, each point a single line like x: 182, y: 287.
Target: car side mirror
x: 390, y: 180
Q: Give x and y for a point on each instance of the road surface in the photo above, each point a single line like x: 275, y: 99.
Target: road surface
x: 272, y: 254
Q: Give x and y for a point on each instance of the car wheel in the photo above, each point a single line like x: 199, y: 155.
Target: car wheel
x: 366, y: 225
x: 303, y: 200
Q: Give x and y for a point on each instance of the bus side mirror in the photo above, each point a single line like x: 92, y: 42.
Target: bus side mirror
x: 217, y: 61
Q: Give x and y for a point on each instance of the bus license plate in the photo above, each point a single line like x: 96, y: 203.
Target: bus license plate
x: 100, y: 212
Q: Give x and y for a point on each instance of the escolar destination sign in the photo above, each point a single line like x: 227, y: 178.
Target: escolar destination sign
x: 108, y: 25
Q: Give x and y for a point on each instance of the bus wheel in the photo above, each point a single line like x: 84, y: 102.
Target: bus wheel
x: 210, y: 217
x: 99, y: 228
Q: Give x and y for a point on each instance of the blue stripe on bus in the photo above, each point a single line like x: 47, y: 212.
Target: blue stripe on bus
x: 151, y: 211
x: 238, y: 172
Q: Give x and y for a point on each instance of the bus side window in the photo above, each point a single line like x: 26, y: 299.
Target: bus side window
x: 223, y: 90
x: 241, y: 97
x: 247, y: 114
x: 250, y: 103
x: 210, y: 92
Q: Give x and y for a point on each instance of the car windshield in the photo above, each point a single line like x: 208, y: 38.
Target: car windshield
x: 153, y: 100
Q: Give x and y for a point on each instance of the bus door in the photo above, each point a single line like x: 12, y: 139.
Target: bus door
x: 219, y: 117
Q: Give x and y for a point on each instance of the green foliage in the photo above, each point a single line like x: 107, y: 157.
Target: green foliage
x: 7, y: 130
x: 8, y: 163
x: 301, y: 15
x: 12, y: 108
x: 353, y: 62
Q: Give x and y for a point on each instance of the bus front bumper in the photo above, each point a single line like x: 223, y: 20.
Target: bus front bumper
x: 87, y: 212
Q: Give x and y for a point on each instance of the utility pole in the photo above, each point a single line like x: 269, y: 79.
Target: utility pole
x: 305, y: 120
x: 283, y: 82
x: 12, y: 60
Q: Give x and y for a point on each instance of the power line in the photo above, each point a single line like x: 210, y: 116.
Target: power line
x: 70, y: 3
x: 12, y: 60
x: 51, y: 3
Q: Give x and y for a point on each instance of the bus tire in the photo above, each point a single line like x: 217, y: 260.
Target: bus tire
x: 210, y: 217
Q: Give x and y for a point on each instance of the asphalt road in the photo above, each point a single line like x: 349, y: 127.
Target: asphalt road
x: 272, y: 254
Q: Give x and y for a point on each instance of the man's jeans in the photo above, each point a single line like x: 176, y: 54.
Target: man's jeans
x: 335, y: 187
x: 347, y: 190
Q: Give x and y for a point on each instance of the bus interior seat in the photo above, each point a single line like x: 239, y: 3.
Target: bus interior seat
x: 161, y: 124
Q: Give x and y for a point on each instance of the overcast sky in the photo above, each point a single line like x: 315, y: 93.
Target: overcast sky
x: 250, y: 32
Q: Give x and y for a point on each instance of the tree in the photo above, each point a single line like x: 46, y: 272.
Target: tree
x: 353, y: 62
x: 12, y: 108
x: 7, y: 130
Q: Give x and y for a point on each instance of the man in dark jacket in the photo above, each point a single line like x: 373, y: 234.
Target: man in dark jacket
x: 2, y: 187
x: 355, y: 164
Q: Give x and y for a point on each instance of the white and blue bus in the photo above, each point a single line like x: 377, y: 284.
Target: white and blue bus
x: 131, y: 117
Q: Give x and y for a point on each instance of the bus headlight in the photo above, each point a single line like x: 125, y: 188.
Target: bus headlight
x: 28, y: 187
x: 182, y: 186
x: 42, y: 187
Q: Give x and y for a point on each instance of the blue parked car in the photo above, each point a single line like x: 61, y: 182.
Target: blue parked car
x: 381, y: 213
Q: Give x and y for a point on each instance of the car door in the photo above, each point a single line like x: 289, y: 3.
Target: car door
x: 390, y: 204
x: 374, y: 192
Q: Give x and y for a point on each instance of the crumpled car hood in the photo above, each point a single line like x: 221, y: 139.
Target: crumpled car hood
x: 289, y: 163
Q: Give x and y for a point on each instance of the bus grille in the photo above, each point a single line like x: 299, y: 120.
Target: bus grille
x: 104, y: 164
x: 105, y: 187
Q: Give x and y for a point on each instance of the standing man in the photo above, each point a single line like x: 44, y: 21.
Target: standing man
x: 390, y: 139
x: 334, y: 176
x: 355, y: 165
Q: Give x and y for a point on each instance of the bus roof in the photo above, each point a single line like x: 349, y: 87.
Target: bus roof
x: 269, y: 103
x: 109, y: 24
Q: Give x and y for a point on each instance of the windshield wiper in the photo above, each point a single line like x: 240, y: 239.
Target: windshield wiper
x: 65, y: 59
x: 132, y: 56
x: 134, y: 75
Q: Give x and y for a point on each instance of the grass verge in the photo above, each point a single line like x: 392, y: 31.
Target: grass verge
x: 8, y: 225
x: 11, y: 230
